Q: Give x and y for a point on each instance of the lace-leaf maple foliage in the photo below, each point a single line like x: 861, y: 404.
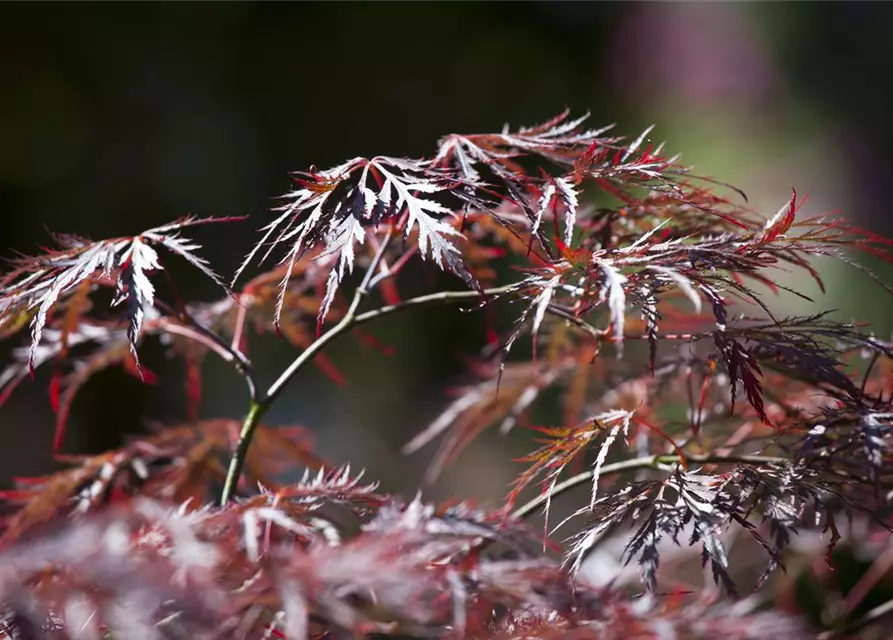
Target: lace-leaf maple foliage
x: 733, y: 422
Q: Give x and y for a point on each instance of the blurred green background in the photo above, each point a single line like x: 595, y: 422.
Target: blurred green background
x: 118, y: 117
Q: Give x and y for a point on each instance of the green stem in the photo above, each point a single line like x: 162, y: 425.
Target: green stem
x: 648, y: 462
x: 441, y: 296
x: 238, y: 459
x: 260, y: 405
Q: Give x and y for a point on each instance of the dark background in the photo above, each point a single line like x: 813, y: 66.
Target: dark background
x: 118, y: 117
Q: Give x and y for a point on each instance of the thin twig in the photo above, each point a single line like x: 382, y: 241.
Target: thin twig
x: 348, y: 321
x: 441, y: 296
x: 648, y: 462
x: 195, y: 330
x: 260, y: 405
x: 574, y: 319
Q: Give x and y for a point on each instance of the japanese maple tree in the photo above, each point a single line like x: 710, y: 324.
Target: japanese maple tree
x: 737, y: 422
